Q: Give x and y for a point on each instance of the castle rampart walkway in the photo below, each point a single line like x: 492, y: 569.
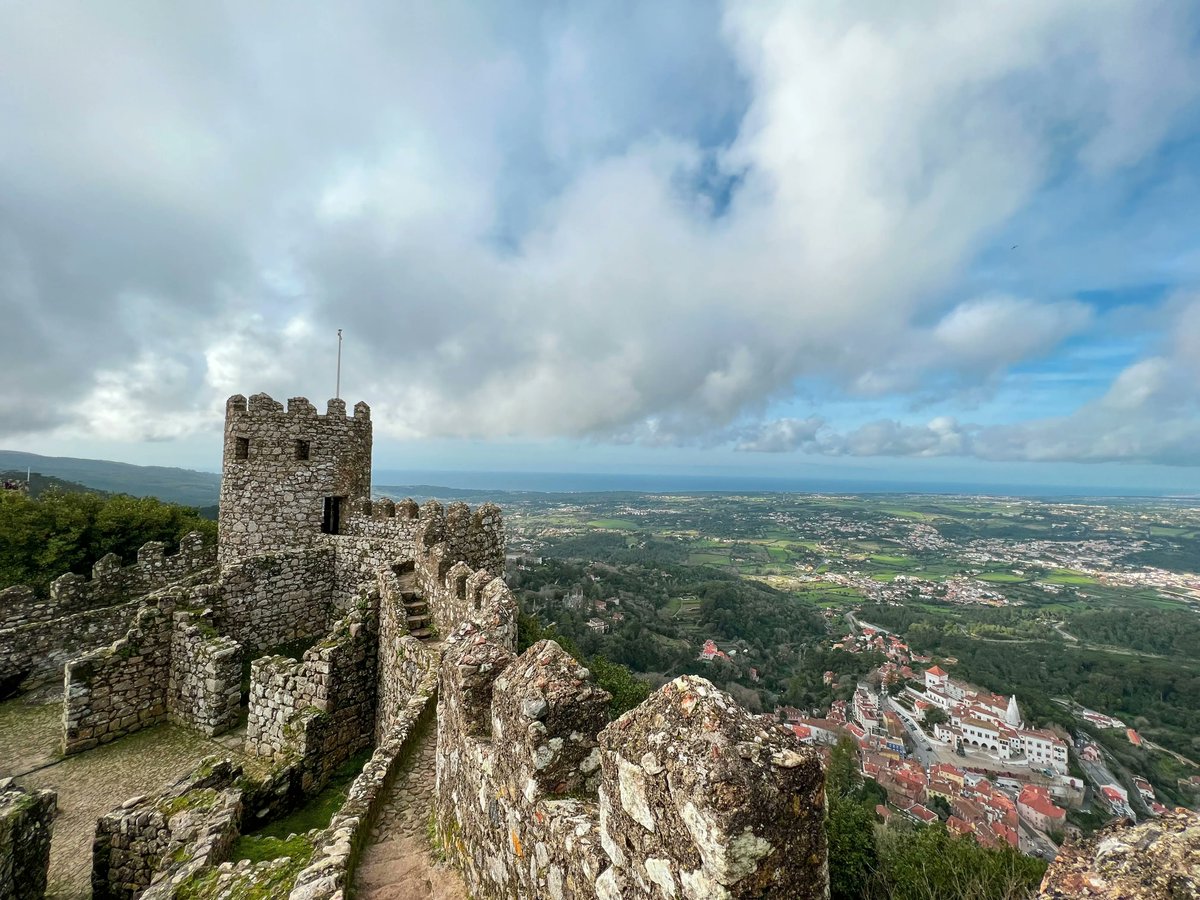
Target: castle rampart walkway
x: 398, y: 863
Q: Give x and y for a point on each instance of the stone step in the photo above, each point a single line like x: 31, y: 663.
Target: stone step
x: 416, y: 604
x: 422, y: 634
x: 417, y: 621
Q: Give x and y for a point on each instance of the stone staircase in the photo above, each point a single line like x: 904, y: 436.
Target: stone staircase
x: 420, y: 624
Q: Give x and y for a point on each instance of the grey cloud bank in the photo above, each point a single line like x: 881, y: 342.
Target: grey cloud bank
x: 631, y: 224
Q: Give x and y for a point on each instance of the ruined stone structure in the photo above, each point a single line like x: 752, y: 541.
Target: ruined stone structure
x: 39, y: 635
x: 25, y: 821
x: 400, y: 611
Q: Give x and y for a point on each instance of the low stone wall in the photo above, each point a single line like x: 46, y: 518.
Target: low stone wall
x: 110, y: 584
x: 121, y: 688
x: 38, y: 635
x: 165, y: 838
x: 265, y: 601
x: 25, y: 825
x: 320, y: 708
x: 404, y: 662
x: 205, y: 688
x: 338, y: 847
x: 36, y: 653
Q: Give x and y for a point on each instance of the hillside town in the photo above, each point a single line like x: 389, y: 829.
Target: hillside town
x: 944, y: 750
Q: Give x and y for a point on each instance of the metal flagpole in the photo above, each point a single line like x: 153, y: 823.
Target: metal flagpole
x: 338, y: 391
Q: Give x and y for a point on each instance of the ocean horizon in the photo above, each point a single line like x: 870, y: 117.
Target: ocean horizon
x: 660, y: 483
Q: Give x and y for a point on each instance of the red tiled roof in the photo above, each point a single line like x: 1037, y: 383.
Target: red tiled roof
x: 937, y: 671
x: 1037, y: 798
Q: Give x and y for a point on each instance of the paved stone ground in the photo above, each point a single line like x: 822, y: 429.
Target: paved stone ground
x: 29, y: 735
x: 90, y: 784
x: 398, y: 863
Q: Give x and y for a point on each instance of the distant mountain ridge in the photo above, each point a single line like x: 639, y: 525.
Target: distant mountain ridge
x: 185, y: 486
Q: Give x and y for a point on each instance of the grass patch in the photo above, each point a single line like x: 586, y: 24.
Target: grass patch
x: 1068, y: 576
x: 317, y: 813
x: 259, y: 848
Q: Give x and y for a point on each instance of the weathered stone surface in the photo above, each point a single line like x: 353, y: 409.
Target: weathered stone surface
x: 38, y: 635
x: 280, y: 465
x: 699, y: 798
x: 119, y: 689
x: 25, y: 826
x: 320, y: 709
x: 1153, y: 860
x: 193, y: 822
x: 205, y: 687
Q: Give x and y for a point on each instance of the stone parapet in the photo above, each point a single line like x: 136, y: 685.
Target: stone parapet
x: 699, y: 798
x: 321, y: 708
x: 696, y: 797
x: 116, y: 690
x: 1156, y: 859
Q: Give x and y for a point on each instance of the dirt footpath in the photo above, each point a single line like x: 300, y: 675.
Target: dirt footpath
x: 398, y: 864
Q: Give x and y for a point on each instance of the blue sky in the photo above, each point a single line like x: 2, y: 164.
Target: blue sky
x: 947, y: 241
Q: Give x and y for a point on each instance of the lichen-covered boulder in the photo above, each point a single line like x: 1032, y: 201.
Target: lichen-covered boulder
x: 701, y: 799
x: 1157, y: 859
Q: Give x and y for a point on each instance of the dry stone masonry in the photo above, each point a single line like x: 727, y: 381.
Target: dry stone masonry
x: 25, y: 824
x: 537, y: 794
x: 38, y: 635
x: 688, y: 795
x: 205, y: 687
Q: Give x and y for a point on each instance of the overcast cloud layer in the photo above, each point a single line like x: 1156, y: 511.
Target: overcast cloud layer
x: 662, y: 223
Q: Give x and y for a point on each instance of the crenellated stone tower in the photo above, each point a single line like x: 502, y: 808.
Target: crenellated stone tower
x: 290, y: 475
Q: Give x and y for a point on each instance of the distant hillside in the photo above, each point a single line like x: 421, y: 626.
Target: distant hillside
x: 184, y: 486
x: 39, y: 483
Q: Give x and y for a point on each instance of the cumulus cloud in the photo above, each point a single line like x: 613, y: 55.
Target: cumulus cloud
x: 1149, y: 414
x: 646, y: 221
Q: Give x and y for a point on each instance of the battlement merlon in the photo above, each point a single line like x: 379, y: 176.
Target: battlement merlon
x: 265, y: 404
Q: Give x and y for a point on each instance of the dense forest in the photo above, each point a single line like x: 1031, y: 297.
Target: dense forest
x: 67, y: 531
x: 659, y: 614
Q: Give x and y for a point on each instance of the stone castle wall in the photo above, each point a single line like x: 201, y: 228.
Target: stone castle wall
x: 38, y: 635
x: 110, y: 584
x: 320, y: 709
x: 25, y: 823
x: 280, y: 465
x: 265, y: 601
x: 687, y: 795
x: 404, y: 662
x: 192, y: 823
x: 36, y: 653
x: 168, y: 664
x: 116, y: 690
x: 205, y: 684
